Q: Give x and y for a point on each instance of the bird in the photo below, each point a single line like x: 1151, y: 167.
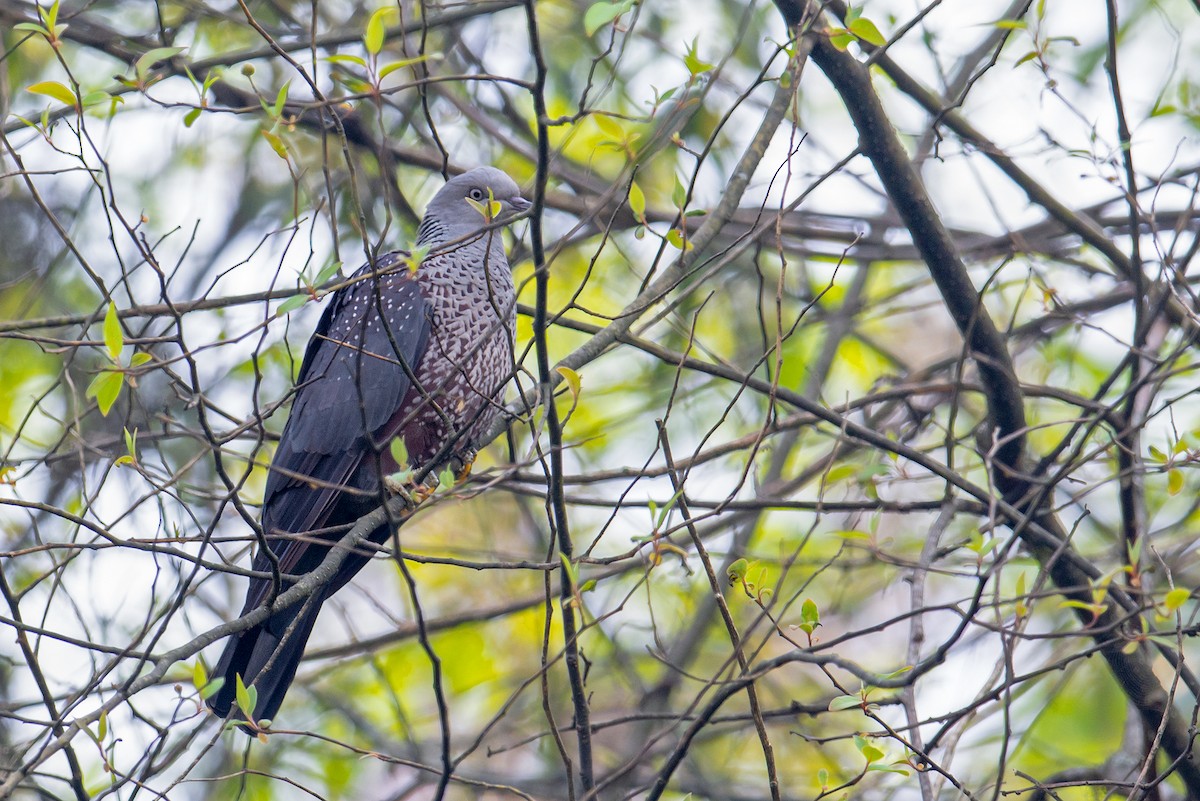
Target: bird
x: 416, y: 345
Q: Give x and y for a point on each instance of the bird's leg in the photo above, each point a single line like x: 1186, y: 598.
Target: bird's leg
x: 461, y: 463
x: 413, y: 493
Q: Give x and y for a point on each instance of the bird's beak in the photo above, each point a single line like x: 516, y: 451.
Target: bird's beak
x: 520, y: 204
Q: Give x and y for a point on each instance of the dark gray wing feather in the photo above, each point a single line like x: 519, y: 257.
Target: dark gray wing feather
x: 354, y: 377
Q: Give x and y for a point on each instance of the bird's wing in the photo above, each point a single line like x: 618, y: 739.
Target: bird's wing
x: 354, y: 377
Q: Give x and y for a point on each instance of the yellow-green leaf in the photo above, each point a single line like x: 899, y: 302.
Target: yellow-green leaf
x: 1174, y: 481
x: 676, y: 240
x: 488, y: 210
x: 572, y: 379
x: 1176, y: 598
x: 345, y: 58
x: 679, y: 194
x: 407, y: 62
x: 609, y: 126
x: 637, y: 202
x: 291, y: 304
x: 114, y: 338
x: 276, y: 144
x: 695, y: 65
x: 600, y: 14
x: 199, y: 675
x: 106, y: 388
x: 872, y: 753
x: 246, y: 697
x: 376, y: 29
x: 32, y: 27
x: 840, y: 37
x: 1022, y: 608
x: 399, y: 452
x: 55, y: 90
x: 864, y: 29
x: 152, y: 57
x: 131, y: 443
x: 841, y: 702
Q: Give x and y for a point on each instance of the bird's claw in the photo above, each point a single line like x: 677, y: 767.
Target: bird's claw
x: 461, y: 465
x: 414, y: 494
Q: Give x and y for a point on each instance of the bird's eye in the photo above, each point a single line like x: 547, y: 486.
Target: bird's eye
x: 476, y: 194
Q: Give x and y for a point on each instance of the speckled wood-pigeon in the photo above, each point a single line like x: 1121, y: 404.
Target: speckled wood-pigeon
x: 423, y: 355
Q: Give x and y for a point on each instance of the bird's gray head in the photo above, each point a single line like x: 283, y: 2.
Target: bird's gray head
x: 461, y: 207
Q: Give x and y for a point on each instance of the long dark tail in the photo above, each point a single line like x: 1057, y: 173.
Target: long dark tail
x: 266, y: 657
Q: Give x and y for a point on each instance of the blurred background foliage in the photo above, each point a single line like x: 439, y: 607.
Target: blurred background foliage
x: 208, y: 171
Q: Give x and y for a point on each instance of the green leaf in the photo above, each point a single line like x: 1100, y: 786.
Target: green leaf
x: 49, y: 15
x: 609, y: 126
x: 872, y: 753
x: 416, y: 257
x: 376, y: 30
x: 329, y: 272
x: 246, y: 697
x: 864, y: 29
x: 102, y: 727
x: 809, y: 612
x: 1095, y: 609
x: 572, y: 379
x: 213, y: 687
x: 1157, y: 455
x: 277, y: 144
x: 1174, y: 481
x: 695, y: 66
x: 148, y: 59
x: 291, y: 304
x: 737, y: 571
x: 407, y: 62
x: 32, y: 27
x: 55, y: 90
x: 1176, y: 598
x: 679, y: 194
x: 355, y: 85
x: 887, y: 769
x: 845, y: 702
x: 280, y: 100
x: 139, y: 359
x: 399, y: 451
x: 106, y: 388
x: 600, y: 14
x: 190, y: 118
x: 840, y: 38
x: 637, y: 202
x: 823, y: 778
x: 130, y: 445
x: 97, y: 97
x: 488, y: 211
x: 345, y: 58
x: 199, y: 675
x: 114, y: 338
x: 676, y: 240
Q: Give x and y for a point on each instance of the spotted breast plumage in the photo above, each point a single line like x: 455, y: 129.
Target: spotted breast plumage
x: 422, y: 354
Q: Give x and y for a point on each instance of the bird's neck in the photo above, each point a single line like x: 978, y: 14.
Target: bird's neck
x: 460, y: 239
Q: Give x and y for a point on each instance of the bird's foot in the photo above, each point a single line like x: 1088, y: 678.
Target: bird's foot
x: 461, y: 465
x: 414, y: 494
